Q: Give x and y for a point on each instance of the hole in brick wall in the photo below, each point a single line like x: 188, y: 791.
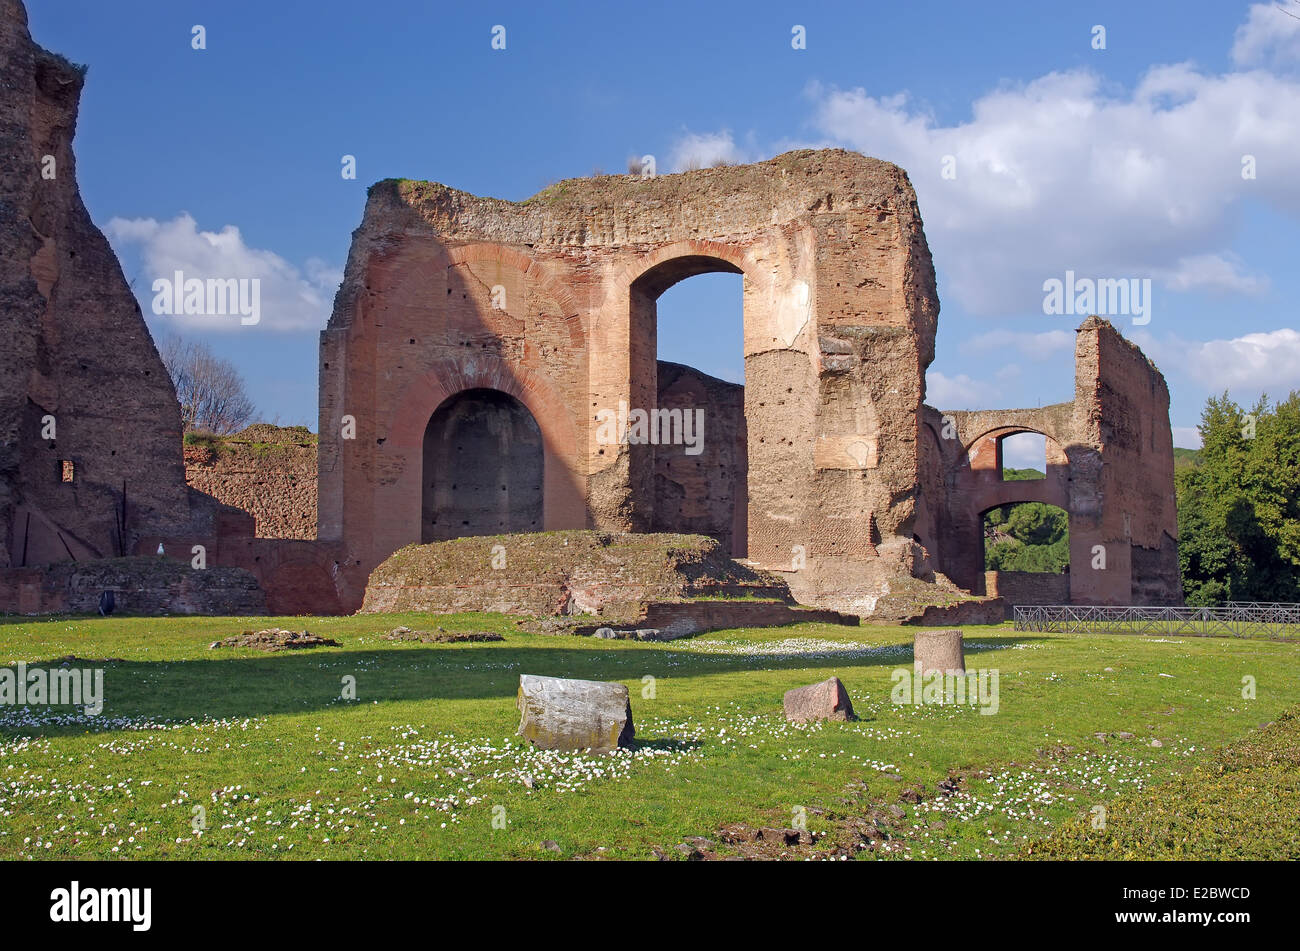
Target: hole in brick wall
x: 1026, y: 537
x: 1024, y: 456
x: 691, y: 309
x: 701, y: 324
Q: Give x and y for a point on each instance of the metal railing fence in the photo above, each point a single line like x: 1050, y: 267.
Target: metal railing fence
x: 1233, y: 619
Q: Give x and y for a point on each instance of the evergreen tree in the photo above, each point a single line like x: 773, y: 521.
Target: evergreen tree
x: 1239, y: 508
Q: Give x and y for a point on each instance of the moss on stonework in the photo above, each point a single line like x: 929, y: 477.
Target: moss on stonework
x: 665, y: 559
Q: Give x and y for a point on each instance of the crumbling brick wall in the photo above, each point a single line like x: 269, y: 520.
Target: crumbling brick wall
x: 90, y: 455
x: 1028, y: 587
x: 140, y: 585
x: 268, y: 471
x: 1109, y: 466
x: 703, y: 492
x: 551, y: 303
x: 91, y: 464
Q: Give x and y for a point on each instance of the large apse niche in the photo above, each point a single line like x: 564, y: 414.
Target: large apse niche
x: 482, y: 468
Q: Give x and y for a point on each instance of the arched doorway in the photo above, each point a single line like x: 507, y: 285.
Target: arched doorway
x: 688, y: 311
x: 1026, y: 553
x: 483, y: 468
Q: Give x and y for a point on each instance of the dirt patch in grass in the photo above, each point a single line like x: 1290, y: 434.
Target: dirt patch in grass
x: 275, y: 639
x: 441, y: 636
x: 862, y: 824
x: 874, y: 829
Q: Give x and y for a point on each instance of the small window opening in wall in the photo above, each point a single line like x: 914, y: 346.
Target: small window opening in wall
x: 1024, y: 456
x: 68, y: 470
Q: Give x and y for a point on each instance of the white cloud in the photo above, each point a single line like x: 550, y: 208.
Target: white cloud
x: 704, y: 149
x: 1221, y: 272
x: 1187, y: 437
x: 957, y: 392
x: 1252, y: 362
x: 1036, y: 346
x: 1009, y: 372
x: 1066, y: 172
x: 290, y: 299
x: 1270, y: 36
x: 1025, y: 451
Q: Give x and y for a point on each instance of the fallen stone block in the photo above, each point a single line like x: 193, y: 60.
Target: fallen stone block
x: 827, y: 700
x: 275, y: 639
x: 939, y: 650
x: 561, y: 714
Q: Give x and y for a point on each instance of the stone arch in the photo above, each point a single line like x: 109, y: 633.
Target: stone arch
x: 1004, y: 430
x: 705, y: 493
x: 483, y: 467
x: 529, y: 269
x: 724, y: 257
x: 983, y: 454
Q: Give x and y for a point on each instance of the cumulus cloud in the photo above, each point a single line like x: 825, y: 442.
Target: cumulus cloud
x: 1068, y: 172
x: 957, y: 392
x: 1252, y: 362
x: 290, y: 298
x: 1270, y: 36
x: 704, y: 149
x: 1187, y: 437
x: 1215, y: 272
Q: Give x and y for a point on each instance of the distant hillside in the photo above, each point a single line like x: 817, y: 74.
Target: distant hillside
x: 1185, y: 458
x: 1016, y: 475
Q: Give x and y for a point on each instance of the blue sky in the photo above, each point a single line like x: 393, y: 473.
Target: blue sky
x: 1123, y: 162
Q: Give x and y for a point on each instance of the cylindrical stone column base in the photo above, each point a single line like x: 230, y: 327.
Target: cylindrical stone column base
x: 939, y: 650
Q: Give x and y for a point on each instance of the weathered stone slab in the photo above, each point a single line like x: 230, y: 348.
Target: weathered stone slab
x: 939, y: 650
x: 827, y: 700
x: 561, y: 714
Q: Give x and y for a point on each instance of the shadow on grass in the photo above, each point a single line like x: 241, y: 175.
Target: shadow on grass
x: 307, y: 680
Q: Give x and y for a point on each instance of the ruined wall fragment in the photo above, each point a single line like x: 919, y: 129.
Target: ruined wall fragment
x: 88, y: 417
x: 552, y: 301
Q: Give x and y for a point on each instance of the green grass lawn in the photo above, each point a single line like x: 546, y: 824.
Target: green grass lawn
x: 424, y: 762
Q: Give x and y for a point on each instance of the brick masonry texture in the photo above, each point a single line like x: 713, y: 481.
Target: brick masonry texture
x: 268, y: 471
x: 552, y: 301
x: 77, y: 354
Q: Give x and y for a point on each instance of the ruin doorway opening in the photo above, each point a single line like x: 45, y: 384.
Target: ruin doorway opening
x: 1023, y: 456
x: 693, y: 310
x: 483, y: 468
x: 1027, y: 553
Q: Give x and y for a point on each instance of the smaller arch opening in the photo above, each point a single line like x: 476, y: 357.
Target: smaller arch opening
x: 1023, y: 456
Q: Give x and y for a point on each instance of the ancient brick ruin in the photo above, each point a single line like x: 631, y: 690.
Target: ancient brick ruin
x: 1109, y: 464
x: 479, y: 349
x: 91, y: 465
x: 90, y: 429
x: 544, y: 311
x: 476, y: 343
